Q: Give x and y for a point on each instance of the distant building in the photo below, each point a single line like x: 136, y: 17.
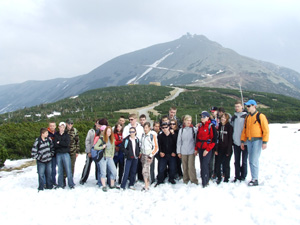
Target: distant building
x: 155, y: 83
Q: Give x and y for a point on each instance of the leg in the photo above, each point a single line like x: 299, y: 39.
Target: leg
x: 121, y: 166
x: 86, y: 169
x: 161, y: 170
x: 254, y: 150
x: 132, y: 171
x: 53, y: 168
x: 237, y: 161
x: 227, y: 167
x: 103, y: 166
x: 68, y: 169
x: 244, y: 163
x: 205, y: 168
x: 172, y: 166
x: 41, y: 167
x: 185, y: 167
x: 152, y: 166
x: 192, y: 169
x: 60, y: 167
x: 112, y: 171
x: 48, y: 172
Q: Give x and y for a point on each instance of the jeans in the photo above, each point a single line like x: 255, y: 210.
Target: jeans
x: 165, y: 161
x: 53, y: 174
x: 104, y: 164
x: 254, y: 150
x: 119, y: 159
x: 130, y: 171
x: 240, y: 170
x: 204, y: 165
x: 44, y: 172
x: 64, y: 162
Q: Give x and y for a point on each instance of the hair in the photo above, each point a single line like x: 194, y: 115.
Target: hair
x: 156, y: 123
x: 105, y: 137
x: 172, y: 108
x: 103, y: 121
x: 132, y: 115
x: 52, y: 122
x: 43, y: 130
x: 143, y: 116
x: 226, y: 116
x: 122, y: 117
x: 221, y: 109
x: 176, y: 125
x: 147, y: 124
x: 164, y: 117
x: 238, y: 102
x: 186, y: 117
x: 116, y: 128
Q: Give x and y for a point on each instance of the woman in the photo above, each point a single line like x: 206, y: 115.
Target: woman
x: 119, y: 156
x: 185, y: 150
x: 206, y: 140
x: 108, y: 145
x: 131, y: 148
x: 174, y: 130
x: 224, y: 150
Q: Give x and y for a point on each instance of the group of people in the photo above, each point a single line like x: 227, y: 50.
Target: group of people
x: 130, y: 151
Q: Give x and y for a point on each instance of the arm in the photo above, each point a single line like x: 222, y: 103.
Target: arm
x: 99, y: 145
x: 178, y: 150
x: 77, y: 146
x: 155, y: 145
x: 34, y: 150
x: 230, y: 141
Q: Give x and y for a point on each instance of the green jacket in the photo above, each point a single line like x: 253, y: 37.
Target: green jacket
x: 108, y: 152
x: 74, y: 140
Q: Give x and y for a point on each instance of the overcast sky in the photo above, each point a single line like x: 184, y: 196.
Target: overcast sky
x: 45, y: 39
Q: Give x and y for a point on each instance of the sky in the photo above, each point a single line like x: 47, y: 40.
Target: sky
x: 46, y: 39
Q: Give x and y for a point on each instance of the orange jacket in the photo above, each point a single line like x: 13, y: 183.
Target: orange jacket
x: 252, y: 128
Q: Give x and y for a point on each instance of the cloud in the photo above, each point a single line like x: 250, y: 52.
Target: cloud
x: 47, y: 39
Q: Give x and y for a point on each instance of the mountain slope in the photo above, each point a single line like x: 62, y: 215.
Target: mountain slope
x: 190, y: 60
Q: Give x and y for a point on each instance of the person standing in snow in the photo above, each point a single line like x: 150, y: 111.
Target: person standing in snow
x: 206, y: 141
x: 256, y: 134
x: 149, y: 147
x: 51, y: 133
x: 186, y: 141
x: 237, y: 122
x: 119, y: 155
x: 43, y: 151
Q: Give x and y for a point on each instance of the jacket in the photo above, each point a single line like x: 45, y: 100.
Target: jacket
x: 42, y: 151
x: 89, y: 140
x: 167, y: 144
x: 126, y: 147
x: 139, y: 130
x: 237, y: 122
x: 64, y: 142
x: 109, y: 151
x: 225, y: 138
x: 149, y: 144
x: 186, y: 140
x: 74, y: 140
x: 206, y: 136
x: 253, y: 130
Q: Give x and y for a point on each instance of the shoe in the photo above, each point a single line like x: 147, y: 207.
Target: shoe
x: 113, y: 187
x: 132, y: 188
x: 81, y: 182
x: 72, y: 187
x: 226, y: 180
x: 253, y: 183
x: 145, y: 189
x: 157, y: 184
x: 104, y: 189
x: 172, y: 181
x: 218, y: 181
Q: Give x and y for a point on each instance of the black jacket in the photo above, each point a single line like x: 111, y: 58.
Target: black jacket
x: 126, y: 147
x: 167, y: 144
x: 225, y: 138
x: 64, y: 142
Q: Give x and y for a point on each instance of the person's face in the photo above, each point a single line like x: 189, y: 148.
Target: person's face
x: 122, y: 121
x: 45, y: 134
x: 132, y: 132
x: 142, y: 121
x: 238, y: 107
x: 223, y: 119
x: 146, y: 129
x: 251, y: 108
x: 204, y: 119
x: 172, y: 113
x: 98, y: 126
x: 108, y: 132
x: 119, y: 127
x: 165, y: 129
x: 220, y: 114
x: 165, y: 120
x: 61, y: 128
x: 52, y: 126
x: 188, y: 122
x: 156, y: 127
x: 69, y: 126
x: 132, y: 121
x: 214, y: 113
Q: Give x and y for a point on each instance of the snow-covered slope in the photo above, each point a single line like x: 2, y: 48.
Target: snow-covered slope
x: 275, y: 201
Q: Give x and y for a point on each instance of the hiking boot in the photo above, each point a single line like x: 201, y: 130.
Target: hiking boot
x: 145, y: 189
x: 132, y: 188
x: 253, y: 183
x: 72, y: 187
x: 172, y: 181
x: 157, y: 184
x: 81, y: 182
x: 104, y: 189
x: 218, y: 181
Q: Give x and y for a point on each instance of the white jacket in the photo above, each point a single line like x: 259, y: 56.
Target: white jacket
x: 149, y: 144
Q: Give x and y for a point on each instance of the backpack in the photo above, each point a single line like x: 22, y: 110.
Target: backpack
x: 257, y: 119
x: 97, y: 155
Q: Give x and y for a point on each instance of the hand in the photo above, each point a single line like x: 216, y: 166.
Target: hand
x: 173, y: 154
x: 205, y: 153
x: 198, y: 125
x: 179, y: 156
x: 76, y: 155
x: 140, y: 156
x: 149, y: 159
x: 89, y: 155
x: 264, y: 146
x: 242, y: 146
x: 216, y: 153
x: 162, y: 154
x: 104, y: 146
x: 195, y: 152
x: 57, y: 142
x: 171, y: 131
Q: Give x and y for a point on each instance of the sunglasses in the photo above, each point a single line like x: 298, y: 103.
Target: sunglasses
x: 248, y: 106
x: 172, y: 123
x: 131, y: 119
x: 165, y: 127
x: 131, y: 132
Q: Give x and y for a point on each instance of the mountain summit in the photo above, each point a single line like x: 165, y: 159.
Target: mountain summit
x: 190, y: 60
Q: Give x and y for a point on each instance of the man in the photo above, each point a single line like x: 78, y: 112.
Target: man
x: 89, y: 142
x: 237, y: 122
x: 172, y: 115
x: 74, y: 143
x: 62, y: 150
x: 213, y: 159
x: 51, y: 133
x: 167, y: 152
x: 121, y: 121
x: 142, y: 119
x: 256, y: 134
x: 139, y: 132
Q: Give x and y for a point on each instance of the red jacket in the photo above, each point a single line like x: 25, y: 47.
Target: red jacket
x: 118, y: 138
x: 206, y: 139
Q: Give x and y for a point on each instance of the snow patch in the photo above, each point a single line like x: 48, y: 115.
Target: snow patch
x: 54, y: 114
x: 73, y: 97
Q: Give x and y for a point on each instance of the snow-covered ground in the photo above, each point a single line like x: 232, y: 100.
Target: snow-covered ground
x: 275, y: 201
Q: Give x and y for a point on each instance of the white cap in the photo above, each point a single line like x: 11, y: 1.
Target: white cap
x: 62, y: 123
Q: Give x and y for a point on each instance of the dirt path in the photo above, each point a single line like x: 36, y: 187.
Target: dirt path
x: 145, y: 110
